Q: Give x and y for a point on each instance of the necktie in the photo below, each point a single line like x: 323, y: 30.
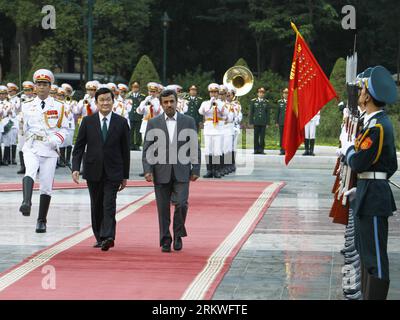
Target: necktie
x: 104, y: 129
x: 43, y: 105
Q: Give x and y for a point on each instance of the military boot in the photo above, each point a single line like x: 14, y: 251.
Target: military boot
x: 22, y: 163
x: 306, y: 147
x: 209, y: 173
x: 43, y: 209
x: 27, y: 190
x: 312, y: 144
x: 13, y: 154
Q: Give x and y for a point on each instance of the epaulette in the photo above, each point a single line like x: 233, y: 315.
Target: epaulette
x: 30, y: 100
x: 59, y: 101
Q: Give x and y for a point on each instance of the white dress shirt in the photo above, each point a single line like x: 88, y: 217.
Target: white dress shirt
x: 171, y: 125
x: 108, y: 120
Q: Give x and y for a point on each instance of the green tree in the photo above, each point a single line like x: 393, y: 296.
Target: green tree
x: 331, y: 117
x: 198, y: 77
x: 145, y: 72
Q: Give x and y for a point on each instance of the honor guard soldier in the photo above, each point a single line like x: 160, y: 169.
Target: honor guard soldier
x: 229, y: 129
x: 87, y: 106
x: 13, y: 96
x: 53, y: 91
x: 280, y: 116
x: 310, y: 133
x: 373, y: 157
x: 194, y: 102
x: 66, y: 146
x: 213, y: 112
x: 150, y: 107
x: 45, y: 129
x: 28, y: 87
x: 259, y: 117
x: 135, y: 118
x: 5, y: 125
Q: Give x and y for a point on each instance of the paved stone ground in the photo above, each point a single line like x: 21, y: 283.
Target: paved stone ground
x: 292, y: 254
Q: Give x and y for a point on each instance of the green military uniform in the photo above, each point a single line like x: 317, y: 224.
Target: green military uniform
x: 373, y: 157
x: 260, y: 118
x: 280, y: 120
x: 135, y: 119
x: 194, y: 104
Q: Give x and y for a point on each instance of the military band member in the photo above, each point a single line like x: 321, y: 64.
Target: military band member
x: 87, y: 105
x: 10, y: 134
x: 5, y: 125
x: 237, y: 124
x: 310, y: 133
x: 259, y: 117
x: 229, y: 129
x: 213, y: 112
x: 45, y: 129
x: 194, y: 102
x: 66, y: 146
x: 150, y: 106
x: 28, y: 88
x: 373, y: 157
x: 280, y: 117
x: 53, y: 91
x: 13, y: 96
x: 135, y: 118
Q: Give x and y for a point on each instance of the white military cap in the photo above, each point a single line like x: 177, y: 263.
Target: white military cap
x: 91, y: 85
x: 223, y: 88
x: 171, y: 87
x: 111, y: 86
x: 54, y: 88
x: 43, y: 75
x: 61, y: 90
x: 28, y: 85
x: 3, y: 89
x: 213, y: 87
x: 160, y: 87
x: 67, y: 87
x: 123, y: 87
x: 231, y: 89
x: 153, y: 86
x: 12, y: 86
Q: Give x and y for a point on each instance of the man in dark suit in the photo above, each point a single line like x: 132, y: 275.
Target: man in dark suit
x: 171, y: 159
x: 105, y: 135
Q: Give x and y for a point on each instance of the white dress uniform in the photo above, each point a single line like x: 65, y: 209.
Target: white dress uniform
x: 182, y: 106
x: 85, y: 107
x: 229, y: 127
x: 149, y: 108
x: 122, y: 107
x: 7, y: 123
x: 214, y: 119
x: 237, y: 120
x: 311, y: 127
x: 69, y: 115
x: 44, y: 130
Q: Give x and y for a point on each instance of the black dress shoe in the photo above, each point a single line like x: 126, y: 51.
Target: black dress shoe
x: 107, y: 244
x: 166, y: 247
x: 178, y: 244
x: 141, y: 174
x: 40, y: 227
x: 97, y: 244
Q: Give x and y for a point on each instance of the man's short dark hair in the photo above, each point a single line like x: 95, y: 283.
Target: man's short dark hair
x: 167, y: 93
x: 103, y: 91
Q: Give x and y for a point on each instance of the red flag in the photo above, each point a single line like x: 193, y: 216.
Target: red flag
x: 309, y: 91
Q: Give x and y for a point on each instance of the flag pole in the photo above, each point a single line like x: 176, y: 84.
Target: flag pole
x: 295, y: 29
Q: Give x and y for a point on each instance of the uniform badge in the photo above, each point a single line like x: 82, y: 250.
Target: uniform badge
x: 366, y: 144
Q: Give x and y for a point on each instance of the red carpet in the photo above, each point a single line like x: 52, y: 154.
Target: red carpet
x: 12, y: 186
x: 221, y: 217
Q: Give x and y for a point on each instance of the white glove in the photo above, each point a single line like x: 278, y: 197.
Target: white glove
x: 344, y: 140
x: 351, y: 194
x: 148, y: 98
x: 54, y: 142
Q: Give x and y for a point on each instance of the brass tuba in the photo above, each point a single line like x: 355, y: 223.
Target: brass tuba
x: 240, y: 78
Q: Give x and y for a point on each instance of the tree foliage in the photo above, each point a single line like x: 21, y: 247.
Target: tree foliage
x: 144, y: 72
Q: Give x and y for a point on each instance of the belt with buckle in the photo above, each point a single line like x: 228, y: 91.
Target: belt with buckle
x: 372, y: 176
x: 38, y: 138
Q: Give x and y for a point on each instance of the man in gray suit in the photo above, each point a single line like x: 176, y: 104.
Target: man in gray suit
x: 171, y: 159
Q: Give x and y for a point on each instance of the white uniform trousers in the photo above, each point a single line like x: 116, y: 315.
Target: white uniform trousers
x: 228, y: 137
x: 21, y: 141
x: 310, y: 130
x: 47, y: 170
